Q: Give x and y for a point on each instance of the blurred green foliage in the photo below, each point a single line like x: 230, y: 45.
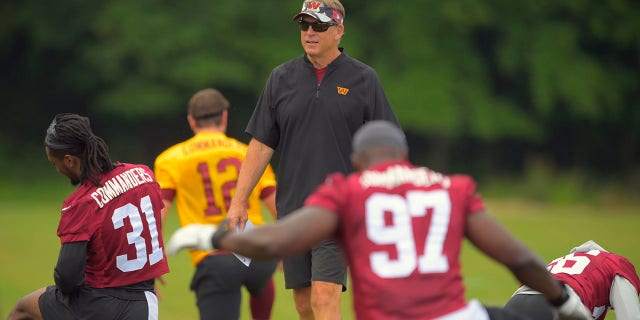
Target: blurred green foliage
x: 495, y: 81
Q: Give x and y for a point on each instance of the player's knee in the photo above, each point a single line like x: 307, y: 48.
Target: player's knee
x: 325, y: 292
x: 325, y: 303
x: 304, y: 309
x: 25, y: 308
x: 302, y: 300
x: 19, y: 313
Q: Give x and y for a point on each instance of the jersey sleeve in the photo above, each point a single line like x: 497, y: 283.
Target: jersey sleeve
x: 333, y: 194
x: 76, y: 223
x: 472, y: 199
x: 163, y: 173
x: 628, y: 271
x: 262, y: 124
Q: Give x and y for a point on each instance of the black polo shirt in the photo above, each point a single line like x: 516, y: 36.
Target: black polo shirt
x: 311, y: 125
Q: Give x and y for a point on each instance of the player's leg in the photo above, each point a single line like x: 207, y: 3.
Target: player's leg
x: 259, y: 283
x: 328, y: 280
x: 217, y: 284
x: 297, y: 276
x: 27, y: 307
x: 302, y: 300
x: 325, y: 300
x: 496, y: 313
x: 534, y: 306
x: 262, y: 304
x: 140, y: 309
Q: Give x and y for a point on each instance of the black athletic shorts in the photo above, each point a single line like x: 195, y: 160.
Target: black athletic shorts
x: 98, y: 304
x: 535, y: 306
x: 218, y: 280
x: 324, y: 262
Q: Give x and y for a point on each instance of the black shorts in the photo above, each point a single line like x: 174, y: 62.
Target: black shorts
x: 218, y: 281
x: 324, y: 262
x: 535, y: 306
x: 98, y: 304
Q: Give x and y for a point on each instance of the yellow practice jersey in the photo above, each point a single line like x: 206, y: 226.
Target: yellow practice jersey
x: 203, y: 171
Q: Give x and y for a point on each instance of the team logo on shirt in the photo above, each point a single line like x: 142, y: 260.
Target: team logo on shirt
x: 343, y: 91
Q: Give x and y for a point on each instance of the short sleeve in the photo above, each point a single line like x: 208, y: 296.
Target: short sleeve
x: 473, y: 201
x: 76, y: 223
x: 627, y: 270
x: 262, y: 124
x: 333, y: 194
x: 163, y: 174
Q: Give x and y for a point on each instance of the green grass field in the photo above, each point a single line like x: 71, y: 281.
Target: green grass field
x: 29, y: 247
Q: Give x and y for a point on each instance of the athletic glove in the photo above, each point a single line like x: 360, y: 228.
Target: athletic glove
x: 193, y: 236
x: 569, y: 306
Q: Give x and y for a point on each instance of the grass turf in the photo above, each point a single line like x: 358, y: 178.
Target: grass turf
x: 30, y: 247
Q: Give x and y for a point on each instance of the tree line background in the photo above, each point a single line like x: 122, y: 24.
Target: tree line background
x: 495, y: 88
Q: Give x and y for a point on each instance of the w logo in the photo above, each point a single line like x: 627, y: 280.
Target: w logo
x: 343, y: 91
x: 313, y: 5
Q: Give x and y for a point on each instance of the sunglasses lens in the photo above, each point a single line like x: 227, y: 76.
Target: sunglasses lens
x: 320, y: 27
x: 316, y: 26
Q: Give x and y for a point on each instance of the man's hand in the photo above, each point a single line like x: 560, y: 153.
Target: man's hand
x: 237, y: 216
x: 572, y: 308
x: 193, y: 236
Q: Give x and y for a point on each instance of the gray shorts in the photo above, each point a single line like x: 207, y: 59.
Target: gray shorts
x: 98, y: 304
x: 324, y: 262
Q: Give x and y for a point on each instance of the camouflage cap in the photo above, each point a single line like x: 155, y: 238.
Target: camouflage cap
x: 320, y: 11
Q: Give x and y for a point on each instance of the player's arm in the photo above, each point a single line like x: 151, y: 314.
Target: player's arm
x: 491, y: 238
x: 624, y: 299
x: 296, y: 233
x: 494, y: 240
x: 256, y: 160
x: 69, y: 271
x: 165, y: 211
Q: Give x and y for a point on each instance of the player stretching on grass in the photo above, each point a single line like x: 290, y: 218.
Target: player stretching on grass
x: 600, y: 278
x: 401, y: 229
x: 110, y: 230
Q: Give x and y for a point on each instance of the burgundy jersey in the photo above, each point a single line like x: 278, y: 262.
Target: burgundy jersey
x: 590, y: 274
x: 401, y: 229
x: 121, y: 221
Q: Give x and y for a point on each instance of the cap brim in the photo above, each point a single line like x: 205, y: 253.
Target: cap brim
x: 315, y: 15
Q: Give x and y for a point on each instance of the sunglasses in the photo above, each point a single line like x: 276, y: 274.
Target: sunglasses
x: 316, y: 26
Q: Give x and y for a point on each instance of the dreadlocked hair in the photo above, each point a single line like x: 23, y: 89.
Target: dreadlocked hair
x: 75, y: 130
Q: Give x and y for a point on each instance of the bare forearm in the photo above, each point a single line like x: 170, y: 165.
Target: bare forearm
x: 298, y: 232
x: 165, y: 211
x: 494, y: 240
x: 534, y: 275
x: 256, y: 160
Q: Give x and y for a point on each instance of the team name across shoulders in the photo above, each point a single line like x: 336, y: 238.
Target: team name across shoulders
x: 201, y: 146
x: 398, y: 175
x: 120, y: 184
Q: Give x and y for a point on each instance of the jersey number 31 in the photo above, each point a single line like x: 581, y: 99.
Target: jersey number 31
x: 134, y: 237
